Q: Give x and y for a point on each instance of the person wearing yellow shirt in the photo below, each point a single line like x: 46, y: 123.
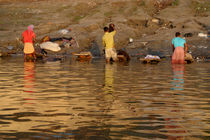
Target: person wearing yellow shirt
x: 108, y: 43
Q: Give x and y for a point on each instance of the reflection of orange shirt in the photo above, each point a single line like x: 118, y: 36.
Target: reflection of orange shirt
x: 28, y: 36
x: 29, y: 76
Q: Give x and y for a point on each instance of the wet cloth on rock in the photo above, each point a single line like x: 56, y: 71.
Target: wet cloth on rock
x: 152, y: 57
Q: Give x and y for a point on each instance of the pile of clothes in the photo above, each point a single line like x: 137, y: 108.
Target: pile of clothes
x: 55, y: 44
x: 152, y: 57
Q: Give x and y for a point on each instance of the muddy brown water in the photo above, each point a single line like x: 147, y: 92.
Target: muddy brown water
x: 80, y: 100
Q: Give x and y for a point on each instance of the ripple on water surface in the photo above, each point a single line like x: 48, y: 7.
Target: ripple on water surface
x: 78, y: 100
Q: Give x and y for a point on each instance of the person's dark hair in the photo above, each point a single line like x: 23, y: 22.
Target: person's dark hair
x: 111, y: 27
x: 177, y: 34
x: 106, y: 29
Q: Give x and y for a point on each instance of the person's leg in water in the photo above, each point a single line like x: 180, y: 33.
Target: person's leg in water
x: 178, y: 56
x: 25, y: 57
x: 108, y: 55
x: 34, y: 55
x: 108, y: 59
x: 114, y: 55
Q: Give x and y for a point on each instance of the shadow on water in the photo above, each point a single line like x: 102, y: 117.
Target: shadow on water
x: 94, y: 100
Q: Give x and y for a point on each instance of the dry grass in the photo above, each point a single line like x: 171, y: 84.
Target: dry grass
x: 109, y: 13
x: 164, y: 3
x: 125, y: 8
x: 201, y: 8
x: 152, y: 7
x: 82, y: 10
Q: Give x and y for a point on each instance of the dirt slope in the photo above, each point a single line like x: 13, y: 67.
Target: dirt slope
x: 152, y: 21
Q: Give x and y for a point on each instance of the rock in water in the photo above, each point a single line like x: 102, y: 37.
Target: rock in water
x: 10, y: 47
x: 95, y: 51
x: 123, y: 55
x: 188, y: 58
x: 188, y: 35
x: 130, y: 40
x: 83, y: 56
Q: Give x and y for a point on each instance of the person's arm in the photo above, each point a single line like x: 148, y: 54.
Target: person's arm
x: 114, y: 31
x: 186, y: 48
x: 34, y: 38
x: 172, y: 44
x: 112, y: 25
x: 173, y: 48
x: 104, y: 44
x: 22, y: 39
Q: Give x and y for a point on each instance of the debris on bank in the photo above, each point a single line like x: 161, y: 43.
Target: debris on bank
x: 150, y: 59
x: 188, y: 58
x: 82, y: 56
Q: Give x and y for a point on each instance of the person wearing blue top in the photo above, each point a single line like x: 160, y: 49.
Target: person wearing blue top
x: 179, y: 46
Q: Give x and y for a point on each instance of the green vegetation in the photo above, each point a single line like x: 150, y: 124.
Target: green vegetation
x: 119, y: 6
x: 141, y: 3
x: 134, y: 9
x: 60, y: 9
x: 201, y: 8
x: 108, y: 14
x: 121, y: 9
x: 80, y: 11
x: 175, y: 3
x: 78, y: 18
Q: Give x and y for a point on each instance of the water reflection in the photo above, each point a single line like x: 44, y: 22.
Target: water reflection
x: 109, y: 78
x: 178, y: 76
x: 172, y: 128
x: 29, y: 79
x: 29, y: 74
x: 107, y: 98
x: 95, y: 100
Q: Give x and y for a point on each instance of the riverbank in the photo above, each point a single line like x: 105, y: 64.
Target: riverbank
x: 151, y: 24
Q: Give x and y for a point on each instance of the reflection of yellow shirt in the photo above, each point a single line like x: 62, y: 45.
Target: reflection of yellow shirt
x: 108, y: 39
x: 109, y: 79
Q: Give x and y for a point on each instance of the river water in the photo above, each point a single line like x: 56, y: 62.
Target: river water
x: 95, y: 100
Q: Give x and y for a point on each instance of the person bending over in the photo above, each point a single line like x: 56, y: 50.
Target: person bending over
x: 179, y: 47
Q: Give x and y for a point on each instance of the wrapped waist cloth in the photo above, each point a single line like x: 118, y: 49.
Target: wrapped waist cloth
x: 28, y: 48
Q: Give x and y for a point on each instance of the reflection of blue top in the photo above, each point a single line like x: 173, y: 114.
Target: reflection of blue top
x: 178, y: 42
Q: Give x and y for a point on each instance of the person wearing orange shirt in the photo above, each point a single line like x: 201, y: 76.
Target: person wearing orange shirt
x: 28, y: 38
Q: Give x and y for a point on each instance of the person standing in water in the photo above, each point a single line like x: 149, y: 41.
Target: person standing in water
x: 108, y: 43
x: 28, y: 38
x: 179, y: 46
